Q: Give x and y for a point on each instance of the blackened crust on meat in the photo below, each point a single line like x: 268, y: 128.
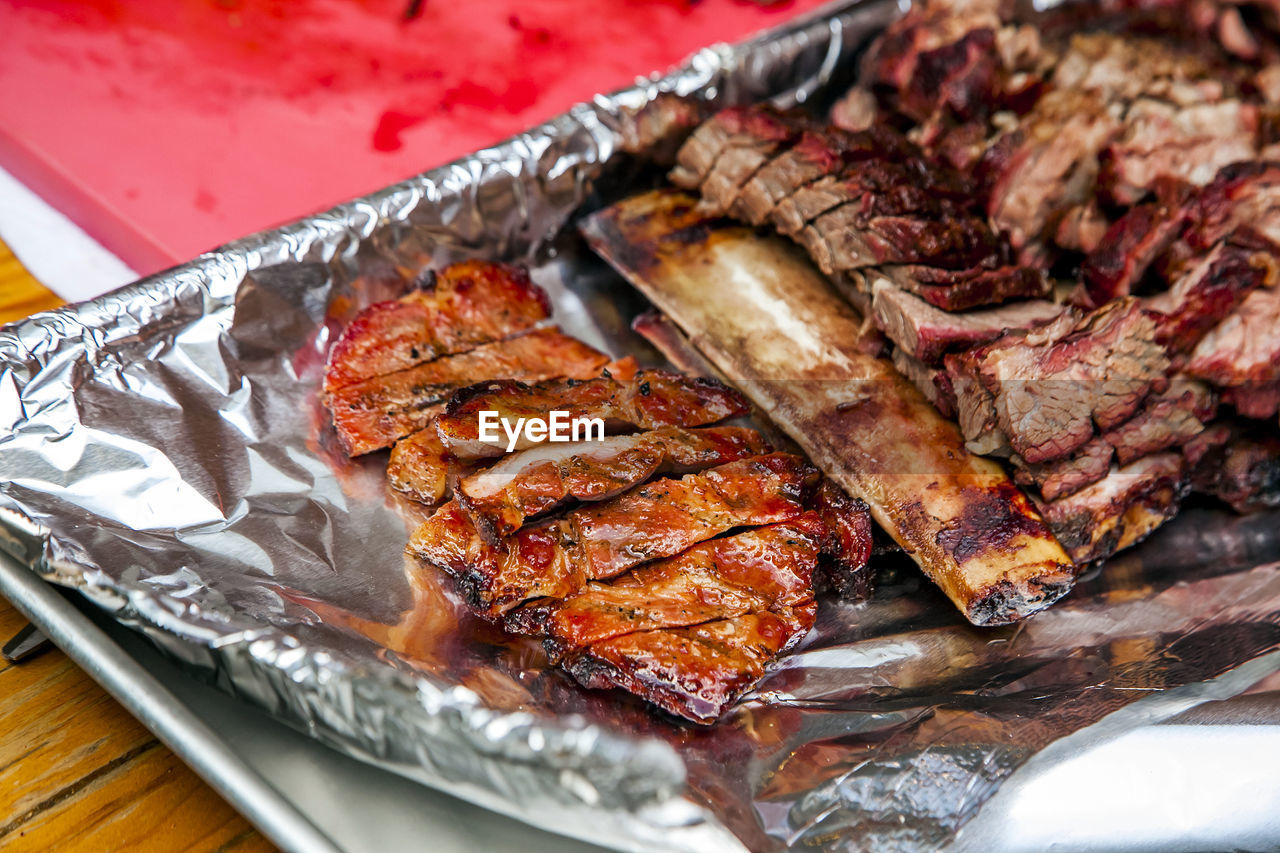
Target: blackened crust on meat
x: 992, y: 519
x: 844, y: 568
x: 1120, y: 510
x: 997, y: 519
x: 1005, y: 603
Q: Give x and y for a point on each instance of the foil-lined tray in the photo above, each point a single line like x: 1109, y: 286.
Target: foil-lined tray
x: 165, y: 453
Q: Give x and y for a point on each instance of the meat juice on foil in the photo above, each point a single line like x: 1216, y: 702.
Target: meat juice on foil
x: 166, y: 454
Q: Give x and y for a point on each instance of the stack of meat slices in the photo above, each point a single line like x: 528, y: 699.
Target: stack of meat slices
x: 679, y: 588
x: 1139, y: 167
x: 675, y: 557
x: 398, y: 362
x: 856, y: 201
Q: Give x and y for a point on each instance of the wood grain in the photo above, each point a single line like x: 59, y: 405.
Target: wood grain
x: 77, y: 772
x: 20, y: 294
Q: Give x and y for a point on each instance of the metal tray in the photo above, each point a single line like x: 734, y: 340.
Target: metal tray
x: 1129, y: 794
x: 589, y: 766
x: 301, y: 794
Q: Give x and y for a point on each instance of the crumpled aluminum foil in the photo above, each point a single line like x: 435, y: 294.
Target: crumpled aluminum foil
x: 164, y: 452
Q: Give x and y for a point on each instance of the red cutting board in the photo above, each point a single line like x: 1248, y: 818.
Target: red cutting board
x: 167, y: 127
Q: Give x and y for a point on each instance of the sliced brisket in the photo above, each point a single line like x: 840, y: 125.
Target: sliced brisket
x: 1049, y: 387
x: 927, y: 332
x: 1065, y: 476
x: 1119, y: 510
x: 1168, y: 419
x: 1244, y: 349
x: 1239, y: 464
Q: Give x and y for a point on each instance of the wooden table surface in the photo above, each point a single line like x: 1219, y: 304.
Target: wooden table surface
x: 77, y: 772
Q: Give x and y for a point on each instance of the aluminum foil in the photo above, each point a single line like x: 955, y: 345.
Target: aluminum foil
x: 164, y: 452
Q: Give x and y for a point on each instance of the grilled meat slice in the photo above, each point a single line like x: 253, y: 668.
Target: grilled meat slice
x: 791, y: 343
x: 1049, y: 164
x: 752, y: 128
x: 1128, y: 250
x: 695, y: 672
x: 767, y: 135
x: 817, y: 154
x: 1168, y: 419
x: 932, y: 57
x: 975, y: 405
x: 1260, y: 401
x: 926, y: 332
x: 870, y: 199
x: 1209, y: 287
x: 1242, y: 195
x: 1050, y: 386
x: 419, y: 466
x: 1239, y: 464
x: 1208, y: 248
x: 1243, y: 351
x: 534, y: 481
x: 648, y: 400
x: 532, y: 563
x: 847, y: 549
x: 623, y: 632
x: 373, y: 413
x: 466, y: 305
x: 604, y: 539
x: 884, y: 185
x: 961, y: 290
x: 1061, y: 477
x: 1163, y: 141
x: 933, y: 382
x: 765, y: 568
x: 1119, y: 510
x: 849, y: 237
x: 666, y: 516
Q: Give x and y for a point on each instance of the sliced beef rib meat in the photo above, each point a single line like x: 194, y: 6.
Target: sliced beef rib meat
x: 1049, y: 387
x: 1119, y: 510
x: 1238, y: 463
x: 1168, y: 419
x: 1244, y: 349
x: 926, y: 332
x: 1068, y: 475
